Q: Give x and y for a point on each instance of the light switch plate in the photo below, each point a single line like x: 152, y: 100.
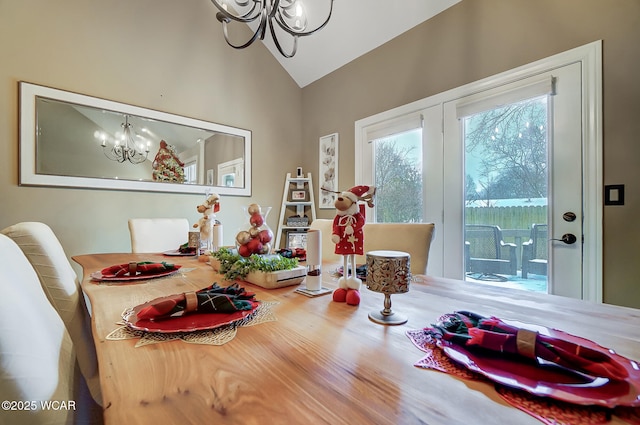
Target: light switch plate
x: 614, y: 194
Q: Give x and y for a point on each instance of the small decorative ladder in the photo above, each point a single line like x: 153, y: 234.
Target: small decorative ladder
x: 297, y: 200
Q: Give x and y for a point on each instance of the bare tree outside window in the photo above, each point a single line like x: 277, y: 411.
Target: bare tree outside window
x: 398, y: 180
x: 511, y: 144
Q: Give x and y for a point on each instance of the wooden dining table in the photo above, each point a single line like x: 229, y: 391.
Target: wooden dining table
x: 320, y: 361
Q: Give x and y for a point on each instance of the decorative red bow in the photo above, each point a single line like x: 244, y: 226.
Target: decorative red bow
x: 138, y: 268
x: 212, y: 299
x: 474, y: 331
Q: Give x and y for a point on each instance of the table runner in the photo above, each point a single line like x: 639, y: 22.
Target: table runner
x: 217, y: 336
x: 547, y: 410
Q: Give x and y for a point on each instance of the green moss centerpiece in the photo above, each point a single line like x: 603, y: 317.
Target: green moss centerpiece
x: 267, y: 271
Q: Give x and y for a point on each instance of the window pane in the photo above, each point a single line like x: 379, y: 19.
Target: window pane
x: 506, y: 195
x: 190, y: 173
x: 398, y: 177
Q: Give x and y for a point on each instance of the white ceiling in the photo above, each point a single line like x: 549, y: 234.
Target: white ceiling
x: 356, y: 27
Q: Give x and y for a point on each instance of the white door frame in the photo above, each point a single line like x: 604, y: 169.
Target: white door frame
x: 590, y: 58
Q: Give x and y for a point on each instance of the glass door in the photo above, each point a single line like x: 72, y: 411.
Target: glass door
x: 515, y: 152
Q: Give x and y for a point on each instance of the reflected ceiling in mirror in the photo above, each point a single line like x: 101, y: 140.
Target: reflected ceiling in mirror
x: 68, y: 139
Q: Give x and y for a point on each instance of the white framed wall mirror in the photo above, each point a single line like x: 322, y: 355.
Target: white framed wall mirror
x: 72, y: 140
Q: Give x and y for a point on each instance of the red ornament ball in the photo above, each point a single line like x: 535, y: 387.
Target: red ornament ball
x: 254, y: 245
x: 265, y: 236
x: 256, y: 220
x: 244, y: 251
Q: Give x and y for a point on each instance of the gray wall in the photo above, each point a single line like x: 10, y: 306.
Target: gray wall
x: 165, y: 55
x: 479, y: 38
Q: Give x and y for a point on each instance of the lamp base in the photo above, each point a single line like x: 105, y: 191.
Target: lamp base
x: 383, y: 318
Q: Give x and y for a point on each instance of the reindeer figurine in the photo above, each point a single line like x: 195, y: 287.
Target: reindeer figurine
x: 348, y: 235
x: 208, y: 209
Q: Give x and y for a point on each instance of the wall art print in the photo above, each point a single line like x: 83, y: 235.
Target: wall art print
x: 328, y: 170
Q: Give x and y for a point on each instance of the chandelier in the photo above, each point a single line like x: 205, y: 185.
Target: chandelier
x: 124, y: 147
x: 288, y: 15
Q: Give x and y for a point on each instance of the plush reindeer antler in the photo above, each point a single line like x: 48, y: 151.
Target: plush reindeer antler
x: 368, y: 197
x: 357, y: 193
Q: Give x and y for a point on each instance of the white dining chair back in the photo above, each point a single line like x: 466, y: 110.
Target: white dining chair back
x: 37, y: 355
x: 60, y: 284
x: 413, y: 238
x: 157, y: 234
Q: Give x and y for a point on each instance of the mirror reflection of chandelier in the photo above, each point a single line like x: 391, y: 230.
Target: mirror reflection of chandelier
x: 289, y: 16
x: 124, y: 147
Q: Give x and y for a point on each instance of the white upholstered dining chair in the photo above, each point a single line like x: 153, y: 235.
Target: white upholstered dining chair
x: 413, y: 238
x: 60, y: 284
x: 37, y: 356
x: 157, y: 234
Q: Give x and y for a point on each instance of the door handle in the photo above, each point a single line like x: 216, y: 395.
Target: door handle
x: 568, y: 238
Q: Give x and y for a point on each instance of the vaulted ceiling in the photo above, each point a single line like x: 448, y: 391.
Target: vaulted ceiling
x: 356, y: 27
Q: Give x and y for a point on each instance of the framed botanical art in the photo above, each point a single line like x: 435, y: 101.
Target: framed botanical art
x: 328, y: 171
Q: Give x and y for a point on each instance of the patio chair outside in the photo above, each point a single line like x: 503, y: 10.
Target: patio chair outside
x: 487, y: 253
x: 534, y: 251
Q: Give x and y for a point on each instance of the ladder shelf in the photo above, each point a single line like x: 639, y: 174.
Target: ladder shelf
x: 297, y: 204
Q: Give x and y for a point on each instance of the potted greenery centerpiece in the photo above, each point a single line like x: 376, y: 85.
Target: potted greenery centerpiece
x: 267, y: 271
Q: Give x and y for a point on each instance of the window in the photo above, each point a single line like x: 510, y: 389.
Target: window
x: 190, y: 173
x: 394, y: 165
